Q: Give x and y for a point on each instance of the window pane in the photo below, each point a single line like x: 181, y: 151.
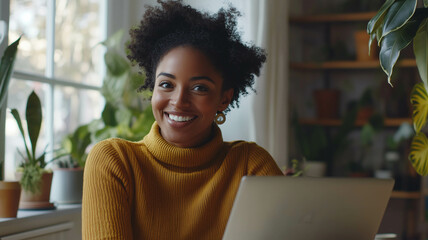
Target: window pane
x: 74, y: 107
x: 77, y: 55
x: 19, y: 91
x: 28, y: 18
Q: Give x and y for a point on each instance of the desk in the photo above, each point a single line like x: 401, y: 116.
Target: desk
x: 62, y: 223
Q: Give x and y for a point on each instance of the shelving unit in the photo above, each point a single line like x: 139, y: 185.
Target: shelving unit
x: 414, y: 200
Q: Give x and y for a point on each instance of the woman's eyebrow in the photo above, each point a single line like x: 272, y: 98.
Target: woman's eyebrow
x: 166, y: 75
x: 202, y: 78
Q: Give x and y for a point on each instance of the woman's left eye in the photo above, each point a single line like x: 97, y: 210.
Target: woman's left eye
x: 200, y: 88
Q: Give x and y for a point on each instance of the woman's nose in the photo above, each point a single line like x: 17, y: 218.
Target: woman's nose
x: 180, y: 98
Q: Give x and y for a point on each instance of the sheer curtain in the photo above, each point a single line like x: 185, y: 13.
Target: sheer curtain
x: 263, y: 117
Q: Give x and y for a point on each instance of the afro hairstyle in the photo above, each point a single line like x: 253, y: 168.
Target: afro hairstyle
x: 174, y: 24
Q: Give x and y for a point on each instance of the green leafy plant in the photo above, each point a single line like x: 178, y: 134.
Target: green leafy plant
x: 126, y: 114
x: 73, y: 152
x: 32, y: 166
x: 6, y: 68
x: 395, y: 26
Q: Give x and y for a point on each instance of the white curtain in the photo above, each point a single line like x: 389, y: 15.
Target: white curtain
x: 263, y: 117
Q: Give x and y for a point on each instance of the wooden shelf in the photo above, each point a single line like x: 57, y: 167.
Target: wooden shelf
x: 348, y: 65
x: 388, y: 122
x: 405, y: 195
x: 329, y: 18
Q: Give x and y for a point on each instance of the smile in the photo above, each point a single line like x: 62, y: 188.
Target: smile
x: 177, y: 118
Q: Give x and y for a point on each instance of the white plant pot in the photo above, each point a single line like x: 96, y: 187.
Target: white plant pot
x: 314, y: 169
x: 67, y: 186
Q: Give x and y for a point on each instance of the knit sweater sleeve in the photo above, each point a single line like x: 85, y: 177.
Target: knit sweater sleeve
x: 106, y: 204
x: 260, y: 162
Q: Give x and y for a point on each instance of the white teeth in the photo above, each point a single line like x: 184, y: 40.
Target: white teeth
x: 180, y: 118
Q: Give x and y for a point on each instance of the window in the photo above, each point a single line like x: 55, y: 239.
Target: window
x: 60, y: 59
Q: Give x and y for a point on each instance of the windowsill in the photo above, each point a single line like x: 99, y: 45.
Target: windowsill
x: 28, y: 220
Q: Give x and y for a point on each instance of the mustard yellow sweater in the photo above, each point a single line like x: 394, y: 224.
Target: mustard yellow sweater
x: 153, y: 190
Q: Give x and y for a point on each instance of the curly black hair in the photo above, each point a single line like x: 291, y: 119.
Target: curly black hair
x: 174, y: 24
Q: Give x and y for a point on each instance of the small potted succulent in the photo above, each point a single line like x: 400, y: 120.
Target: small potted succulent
x: 10, y: 191
x: 34, y: 178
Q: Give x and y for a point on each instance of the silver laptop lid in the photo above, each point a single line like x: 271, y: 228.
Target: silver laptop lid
x: 308, y: 208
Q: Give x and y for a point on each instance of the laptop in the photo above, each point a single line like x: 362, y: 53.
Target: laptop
x: 304, y: 208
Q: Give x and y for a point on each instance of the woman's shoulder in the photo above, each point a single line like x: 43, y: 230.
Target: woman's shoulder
x: 115, y: 143
x: 239, y: 144
x: 251, y: 148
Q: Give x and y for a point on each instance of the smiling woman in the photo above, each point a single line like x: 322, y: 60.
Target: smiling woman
x: 180, y: 181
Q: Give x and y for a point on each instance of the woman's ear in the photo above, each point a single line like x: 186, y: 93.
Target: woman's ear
x: 226, y: 98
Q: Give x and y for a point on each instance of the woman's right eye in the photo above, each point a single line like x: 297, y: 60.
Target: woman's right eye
x: 165, y: 85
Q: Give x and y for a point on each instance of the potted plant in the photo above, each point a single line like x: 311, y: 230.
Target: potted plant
x: 319, y: 148
x: 395, y: 26
x: 67, y: 183
x: 10, y: 191
x: 34, y: 179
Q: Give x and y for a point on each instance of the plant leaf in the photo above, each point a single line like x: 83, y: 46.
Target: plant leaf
x: 116, y: 64
x: 419, y: 100
x: 393, y: 43
x: 6, y: 68
x: 419, y: 153
x: 109, y: 115
x: 420, y: 49
x: 114, y: 40
x: 377, y: 21
x: 34, y: 119
x: 15, y: 114
x: 426, y: 3
x: 398, y: 14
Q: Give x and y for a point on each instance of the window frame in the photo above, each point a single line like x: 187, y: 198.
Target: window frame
x: 48, y: 78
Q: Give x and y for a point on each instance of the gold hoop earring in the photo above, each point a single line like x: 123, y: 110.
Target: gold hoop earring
x: 220, y: 118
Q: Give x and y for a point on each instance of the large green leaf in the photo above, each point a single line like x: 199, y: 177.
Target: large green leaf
x: 426, y: 3
x: 15, y: 114
x: 6, y: 68
x: 113, y: 88
x: 393, y: 43
x: 398, y: 14
x: 33, y: 114
x: 109, y: 115
x: 420, y: 48
x: 419, y: 153
x: 113, y: 42
x: 116, y: 64
x: 419, y: 100
x: 376, y: 22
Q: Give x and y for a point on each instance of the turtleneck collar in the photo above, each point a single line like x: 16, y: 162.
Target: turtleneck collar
x: 182, y: 157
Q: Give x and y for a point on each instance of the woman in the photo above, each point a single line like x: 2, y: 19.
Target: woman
x: 180, y: 181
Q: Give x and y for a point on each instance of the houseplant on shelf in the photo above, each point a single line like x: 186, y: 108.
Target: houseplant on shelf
x: 67, y: 183
x: 34, y: 179
x: 395, y: 26
x: 318, y: 148
x: 10, y: 191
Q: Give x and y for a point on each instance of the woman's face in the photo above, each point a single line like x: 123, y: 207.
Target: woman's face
x: 186, y: 97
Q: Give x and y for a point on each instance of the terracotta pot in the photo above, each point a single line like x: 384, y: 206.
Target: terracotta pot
x: 327, y: 103
x: 362, y: 47
x: 365, y: 113
x: 38, y: 200
x: 67, y: 185
x: 10, y: 193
